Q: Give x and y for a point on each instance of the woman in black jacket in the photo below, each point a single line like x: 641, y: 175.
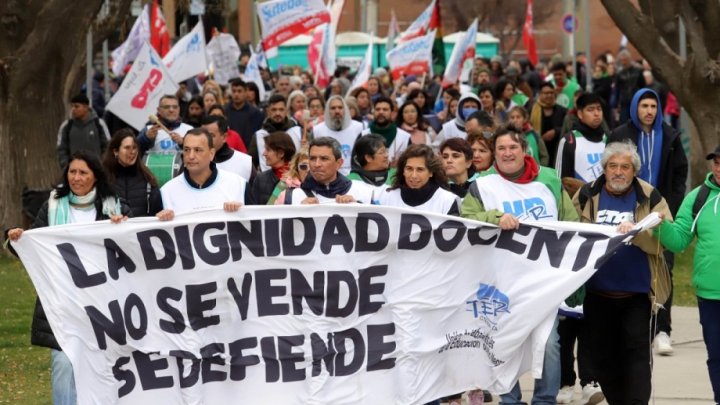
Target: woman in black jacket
x: 83, y: 196
x: 131, y: 179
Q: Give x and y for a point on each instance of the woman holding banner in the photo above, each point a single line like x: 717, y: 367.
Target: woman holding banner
x: 84, y: 195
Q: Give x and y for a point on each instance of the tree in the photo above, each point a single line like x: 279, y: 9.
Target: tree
x: 42, y: 59
x: 695, y: 80
x: 502, y: 18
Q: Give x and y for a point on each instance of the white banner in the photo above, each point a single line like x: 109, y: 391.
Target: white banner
x: 224, y: 52
x: 129, y: 50
x: 281, y: 20
x: 187, y: 58
x: 413, y: 57
x: 365, y: 70
x: 252, y: 73
x: 463, y: 50
x: 140, y: 92
x: 341, y: 304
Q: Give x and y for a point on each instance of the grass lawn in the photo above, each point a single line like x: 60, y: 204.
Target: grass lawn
x: 25, y: 369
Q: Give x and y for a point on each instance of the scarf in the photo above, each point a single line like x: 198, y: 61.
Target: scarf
x: 59, y: 208
x: 389, y: 132
x: 340, y: 186
x: 536, y: 114
x: 528, y: 173
x: 592, y: 134
x: 271, y: 127
x: 418, y: 196
x: 280, y: 171
x: 374, y: 177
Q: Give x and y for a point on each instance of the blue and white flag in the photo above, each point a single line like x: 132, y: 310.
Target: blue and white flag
x: 187, y: 58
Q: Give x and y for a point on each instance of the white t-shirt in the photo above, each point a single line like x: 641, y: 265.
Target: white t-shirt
x: 530, y: 201
x: 440, y: 203
x: 399, y: 144
x: 345, y: 137
x: 240, y: 164
x: 82, y: 216
x: 294, y: 132
x: 179, y: 196
x: 362, y: 192
x: 163, y: 141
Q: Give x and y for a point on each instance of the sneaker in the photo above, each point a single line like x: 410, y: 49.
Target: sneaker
x: 592, y: 394
x: 663, y: 345
x: 565, y: 395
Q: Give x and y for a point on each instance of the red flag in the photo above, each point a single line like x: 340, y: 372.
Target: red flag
x: 159, y: 35
x: 528, y: 35
x: 314, y: 53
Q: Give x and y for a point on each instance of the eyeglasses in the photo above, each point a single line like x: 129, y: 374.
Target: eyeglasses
x: 303, y: 166
x: 169, y: 107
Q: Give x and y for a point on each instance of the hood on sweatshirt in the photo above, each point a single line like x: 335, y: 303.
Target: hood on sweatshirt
x: 657, y: 124
x: 347, y: 119
x: 459, y: 119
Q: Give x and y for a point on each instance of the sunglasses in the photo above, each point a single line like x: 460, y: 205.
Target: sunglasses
x: 303, y: 166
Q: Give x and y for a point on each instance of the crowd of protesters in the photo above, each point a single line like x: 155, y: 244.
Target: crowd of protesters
x: 607, y: 154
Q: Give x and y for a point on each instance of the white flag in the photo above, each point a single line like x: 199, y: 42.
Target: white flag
x: 252, y: 74
x: 261, y: 56
x: 128, y: 50
x: 420, y: 25
x: 413, y: 57
x: 365, y: 70
x: 187, y: 58
x: 224, y: 52
x: 463, y: 50
x: 281, y: 20
x: 140, y: 93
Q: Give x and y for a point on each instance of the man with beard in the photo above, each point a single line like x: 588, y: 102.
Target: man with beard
x: 396, y: 139
x: 155, y: 139
x: 339, y: 125
x: 277, y: 121
x: 629, y: 286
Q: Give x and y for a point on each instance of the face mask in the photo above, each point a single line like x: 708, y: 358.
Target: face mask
x: 467, y: 111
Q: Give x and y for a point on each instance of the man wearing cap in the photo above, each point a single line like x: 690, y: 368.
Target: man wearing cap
x: 83, y: 131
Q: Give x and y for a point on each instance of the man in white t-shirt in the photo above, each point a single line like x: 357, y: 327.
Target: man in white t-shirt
x: 202, y: 185
x: 339, y: 125
x: 225, y: 157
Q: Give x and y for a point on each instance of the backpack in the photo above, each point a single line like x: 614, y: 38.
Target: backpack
x: 700, y: 200
x: 98, y: 127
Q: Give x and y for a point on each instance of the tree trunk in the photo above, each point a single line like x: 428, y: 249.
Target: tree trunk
x: 42, y: 46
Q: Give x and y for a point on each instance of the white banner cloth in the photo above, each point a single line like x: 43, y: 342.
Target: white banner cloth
x: 224, y: 52
x: 341, y: 304
x: 413, y: 57
x: 281, y: 20
x: 140, y: 92
x: 187, y: 58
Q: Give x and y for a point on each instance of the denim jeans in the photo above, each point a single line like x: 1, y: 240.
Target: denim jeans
x: 547, y: 387
x: 63, y: 381
x: 710, y: 321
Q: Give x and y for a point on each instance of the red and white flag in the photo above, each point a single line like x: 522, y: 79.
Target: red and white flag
x: 413, y: 57
x: 140, y: 92
x: 281, y: 20
x: 420, y: 26
x: 159, y: 35
x: 528, y: 35
x: 321, y: 51
x: 463, y: 50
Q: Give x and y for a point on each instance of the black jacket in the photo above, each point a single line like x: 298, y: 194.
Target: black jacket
x: 263, y: 187
x: 132, y: 188
x: 41, y: 334
x: 673, y: 162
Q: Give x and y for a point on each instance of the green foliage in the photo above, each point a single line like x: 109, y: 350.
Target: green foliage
x: 684, y: 293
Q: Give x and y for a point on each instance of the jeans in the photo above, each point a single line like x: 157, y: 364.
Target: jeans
x: 619, y: 334
x: 710, y: 321
x: 63, y: 381
x: 547, y: 387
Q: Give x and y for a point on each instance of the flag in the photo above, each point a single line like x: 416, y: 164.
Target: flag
x: 429, y: 20
x: 252, y: 72
x: 528, y: 35
x: 463, y: 50
x: 223, y: 53
x: 159, y: 35
x: 261, y: 56
x: 413, y: 57
x: 321, y: 51
x: 281, y: 20
x: 128, y: 50
x: 140, y: 92
x: 187, y: 58
x: 315, y: 59
x: 393, y: 30
x: 365, y: 70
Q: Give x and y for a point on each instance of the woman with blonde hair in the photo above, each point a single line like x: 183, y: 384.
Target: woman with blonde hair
x: 298, y: 169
